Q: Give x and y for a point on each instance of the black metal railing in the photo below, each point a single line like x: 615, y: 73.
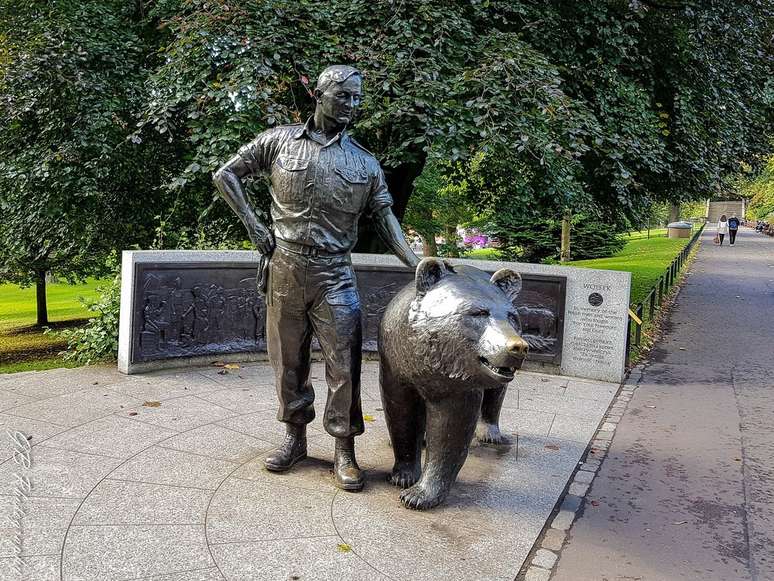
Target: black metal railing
x: 655, y: 297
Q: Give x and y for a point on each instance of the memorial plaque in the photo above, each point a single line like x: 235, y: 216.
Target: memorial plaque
x: 595, y: 340
x: 185, y: 310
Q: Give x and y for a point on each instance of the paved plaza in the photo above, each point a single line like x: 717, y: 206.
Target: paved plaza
x: 160, y: 476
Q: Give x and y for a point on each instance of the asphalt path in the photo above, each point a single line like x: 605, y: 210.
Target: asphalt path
x: 687, y: 490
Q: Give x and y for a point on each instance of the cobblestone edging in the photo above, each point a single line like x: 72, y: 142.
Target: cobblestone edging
x: 539, y: 565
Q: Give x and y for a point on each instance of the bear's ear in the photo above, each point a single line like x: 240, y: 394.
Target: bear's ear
x: 430, y: 271
x: 509, y: 282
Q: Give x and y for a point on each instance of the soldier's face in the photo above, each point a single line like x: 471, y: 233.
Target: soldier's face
x: 339, y: 101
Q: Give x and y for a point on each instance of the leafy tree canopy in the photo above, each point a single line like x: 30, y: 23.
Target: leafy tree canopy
x: 759, y: 188
x: 71, y: 187
x: 602, y: 107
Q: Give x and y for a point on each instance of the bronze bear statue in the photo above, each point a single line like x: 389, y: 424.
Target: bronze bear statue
x: 449, y: 344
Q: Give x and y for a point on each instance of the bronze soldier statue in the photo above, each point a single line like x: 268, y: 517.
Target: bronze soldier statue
x: 321, y: 181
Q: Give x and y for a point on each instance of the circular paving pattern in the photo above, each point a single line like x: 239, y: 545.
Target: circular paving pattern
x: 160, y: 476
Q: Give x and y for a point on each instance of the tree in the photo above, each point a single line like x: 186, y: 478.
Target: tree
x: 676, y: 98
x: 438, y: 205
x: 597, y: 108
x: 438, y: 74
x: 759, y: 187
x: 72, y: 188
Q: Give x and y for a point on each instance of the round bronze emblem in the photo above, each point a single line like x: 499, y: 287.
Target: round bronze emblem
x: 595, y: 299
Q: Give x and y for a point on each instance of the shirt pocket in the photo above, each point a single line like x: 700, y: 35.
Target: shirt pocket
x: 350, y: 188
x: 288, y: 178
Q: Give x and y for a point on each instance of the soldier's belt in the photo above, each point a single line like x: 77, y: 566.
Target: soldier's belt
x: 307, y: 250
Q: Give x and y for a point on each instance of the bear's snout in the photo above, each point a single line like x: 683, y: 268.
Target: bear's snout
x: 517, y: 347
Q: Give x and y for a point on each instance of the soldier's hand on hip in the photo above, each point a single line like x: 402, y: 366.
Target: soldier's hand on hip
x: 262, y: 239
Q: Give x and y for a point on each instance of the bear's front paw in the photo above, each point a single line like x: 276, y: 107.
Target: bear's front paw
x: 421, y: 496
x: 490, y: 434
x: 405, y: 474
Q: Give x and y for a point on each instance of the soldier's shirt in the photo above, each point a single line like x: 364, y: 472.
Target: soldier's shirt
x: 319, y: 189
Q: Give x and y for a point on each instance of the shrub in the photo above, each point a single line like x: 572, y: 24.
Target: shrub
x: 97, y: 340
x: 540, y: 240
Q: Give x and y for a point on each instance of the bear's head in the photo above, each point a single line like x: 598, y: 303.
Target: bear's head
x: 464, y: 323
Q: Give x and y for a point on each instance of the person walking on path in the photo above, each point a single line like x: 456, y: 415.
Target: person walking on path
x: 686, y: 491
x: 733, y: 226
x: 722, y: 228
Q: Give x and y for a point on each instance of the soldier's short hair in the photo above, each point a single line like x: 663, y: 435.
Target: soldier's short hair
x: 336, y: 74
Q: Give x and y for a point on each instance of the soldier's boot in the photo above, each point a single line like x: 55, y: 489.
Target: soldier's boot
x: 291, y: 451
x: 345, y: 468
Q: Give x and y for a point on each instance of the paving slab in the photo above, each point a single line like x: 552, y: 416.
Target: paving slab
x: 37, y: 567
x: 116, y: 502
x: 172, y: 487
x: 114, y: 436
x: 157, y: 465
x: 116, y: 552
x: 45, y: 523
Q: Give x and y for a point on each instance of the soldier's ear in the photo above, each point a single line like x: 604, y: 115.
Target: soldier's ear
x: 430, y: 271
x: 509, y: 281
x: 317, y: 94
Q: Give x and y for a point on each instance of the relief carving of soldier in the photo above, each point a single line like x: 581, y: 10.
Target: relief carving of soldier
x: 321, y: 181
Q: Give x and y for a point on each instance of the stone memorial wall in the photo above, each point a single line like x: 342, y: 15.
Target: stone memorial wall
x: 192, y: 307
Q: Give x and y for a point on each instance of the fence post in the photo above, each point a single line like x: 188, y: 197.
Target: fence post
x: 651, y: 304
x: 628, y: 339
x: 638, y: 326
x: 660, y: 290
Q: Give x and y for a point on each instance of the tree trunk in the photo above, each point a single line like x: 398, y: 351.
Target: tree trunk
x: 564, y: 254
x: 451, y: 241
x: 429, y: 247
x: 400, y: 181
x: 40, y: 293
x: 674, y: 213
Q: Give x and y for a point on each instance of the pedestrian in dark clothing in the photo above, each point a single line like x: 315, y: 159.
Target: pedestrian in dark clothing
x: 733, y: 226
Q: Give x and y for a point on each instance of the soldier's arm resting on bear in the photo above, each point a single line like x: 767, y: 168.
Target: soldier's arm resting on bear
x: 389, y: 230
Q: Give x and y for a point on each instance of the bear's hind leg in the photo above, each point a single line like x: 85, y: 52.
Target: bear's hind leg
x: 488, y: 428
x: 450, y: 426
x: 404, y: 412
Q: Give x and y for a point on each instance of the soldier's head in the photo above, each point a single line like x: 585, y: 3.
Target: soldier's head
x: 338, y: 93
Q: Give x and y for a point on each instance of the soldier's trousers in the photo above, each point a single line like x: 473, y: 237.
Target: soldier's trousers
x: 317, y: 294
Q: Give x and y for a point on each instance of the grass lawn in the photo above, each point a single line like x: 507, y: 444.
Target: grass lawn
x: 23, y: 346
x: 483, y: 254
x: 645, y: 258
x: 654, y: 233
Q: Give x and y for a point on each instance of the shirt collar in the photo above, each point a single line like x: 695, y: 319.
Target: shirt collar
x: 307, y: 128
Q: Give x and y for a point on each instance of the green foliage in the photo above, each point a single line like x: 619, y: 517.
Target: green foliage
x: 440, y: 79
x: 672, y: 98
x: 760, y: 190
x: 693, y: 210
x: 97, y: 340
x: 72, y: 188
x: 600, y: 107
x: 439, y: 204
x: 539, y: 240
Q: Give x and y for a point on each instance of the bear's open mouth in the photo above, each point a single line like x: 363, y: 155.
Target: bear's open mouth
x: 503, y: 373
